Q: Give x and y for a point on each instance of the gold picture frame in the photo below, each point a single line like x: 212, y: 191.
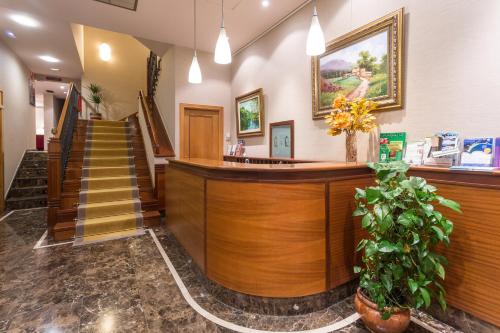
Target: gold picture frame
x: 388, y: 89
x: 250, y: 114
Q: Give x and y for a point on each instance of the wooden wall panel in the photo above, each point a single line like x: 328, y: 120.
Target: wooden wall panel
x: 267, y: 239
x: 474, y: 253
x: 185, y: 211
x: 345, y: 231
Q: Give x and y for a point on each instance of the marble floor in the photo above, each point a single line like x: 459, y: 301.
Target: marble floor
x: 123, y: 286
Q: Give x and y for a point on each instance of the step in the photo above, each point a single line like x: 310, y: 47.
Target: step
x: 108, y: 143
x: 26, y: 202
x: 98, y: 172
x: 26, y: 172
x: 106, y: 136
x: 120, y: 152
x: 108, y: 161
x: 108, y: 130
x: 112, y: 208
x: 30, y: 181
x: 73, y: 172
x: 108, y: 123
x: 107, y: 182
x: 70, y: 200
x: 108, y: 224
x: 116, y: 194
x: 27, y: 191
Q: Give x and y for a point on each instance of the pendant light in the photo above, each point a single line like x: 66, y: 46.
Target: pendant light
x: 315, y: 38
x: 195, y: 71
x: 222, y: 49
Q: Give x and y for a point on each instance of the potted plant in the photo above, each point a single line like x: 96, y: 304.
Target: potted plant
x: 350, y: 117
x: 95, y: 97
x: 401, y: 268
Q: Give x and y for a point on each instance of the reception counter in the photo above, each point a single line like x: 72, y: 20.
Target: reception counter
x: 286, y: 230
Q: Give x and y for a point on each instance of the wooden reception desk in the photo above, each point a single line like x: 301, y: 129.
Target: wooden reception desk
x: 287, y: 230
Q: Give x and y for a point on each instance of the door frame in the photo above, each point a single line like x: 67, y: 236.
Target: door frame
x: 2, y: 197
x: 200, y: 107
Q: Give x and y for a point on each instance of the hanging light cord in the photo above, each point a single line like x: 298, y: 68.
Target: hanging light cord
x: 222, y: 14
x: 194, y: 27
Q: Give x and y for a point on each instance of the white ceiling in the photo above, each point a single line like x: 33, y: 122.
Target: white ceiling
x: 168, y: 21
x: 59, y: 88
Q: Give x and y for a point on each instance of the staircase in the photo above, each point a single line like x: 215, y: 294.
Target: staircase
x: 107, y: 189
x: 29, y: 188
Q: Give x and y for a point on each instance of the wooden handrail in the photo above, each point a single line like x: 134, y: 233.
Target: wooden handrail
x: 149, y: 123
x: 158, y: 135
x: 64, y: 112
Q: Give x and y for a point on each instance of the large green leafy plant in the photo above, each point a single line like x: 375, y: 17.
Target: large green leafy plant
x: 401, y: 266
x: 95, y: 95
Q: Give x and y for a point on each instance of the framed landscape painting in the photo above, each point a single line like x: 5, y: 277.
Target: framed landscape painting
x: 281, y: 139
x: 250, y: 114
x: 366, y: 62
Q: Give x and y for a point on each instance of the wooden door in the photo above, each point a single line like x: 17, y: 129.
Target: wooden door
x: 201, y: 131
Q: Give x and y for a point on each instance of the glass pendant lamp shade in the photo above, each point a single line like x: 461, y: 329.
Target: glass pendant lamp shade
x: 194, y: 75
x: 222, y: 48
x: 315, y: 39
x: 222, y: 53
x: 195, y: 71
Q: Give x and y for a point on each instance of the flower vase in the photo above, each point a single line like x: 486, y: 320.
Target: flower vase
x: 351, y: 148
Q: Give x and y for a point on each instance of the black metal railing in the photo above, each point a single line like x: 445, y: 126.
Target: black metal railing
x: 68, y: 126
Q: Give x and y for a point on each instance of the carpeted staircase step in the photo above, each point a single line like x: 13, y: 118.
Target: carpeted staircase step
x: 109, y: 208
x: 108, y: 123
x: 108, y: 161
x: 110, y: 152
x: 110, y: 129
x: 108, y: 182
x: 107, y: 136
x: 109, y: 143
x: 98, y: 172
x: 105, y: 195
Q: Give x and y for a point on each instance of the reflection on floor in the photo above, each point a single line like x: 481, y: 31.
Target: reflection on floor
x: 119, y: 286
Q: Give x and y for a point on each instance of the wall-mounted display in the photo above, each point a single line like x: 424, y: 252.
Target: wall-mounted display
x: 281, y: 140
x: 250, y: 114
x: 366, y: 63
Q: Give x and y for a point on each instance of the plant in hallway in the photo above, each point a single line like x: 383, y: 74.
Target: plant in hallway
x: 351, y: 117
x: 96, y: 97
x: 401, y: 267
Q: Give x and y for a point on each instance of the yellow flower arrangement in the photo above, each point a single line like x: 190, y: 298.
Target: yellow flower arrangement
x: 351, y: 116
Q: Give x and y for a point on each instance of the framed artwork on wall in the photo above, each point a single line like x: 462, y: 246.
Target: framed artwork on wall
x: 250, y: 114
x: 281, y: 139
x: 366, y: 62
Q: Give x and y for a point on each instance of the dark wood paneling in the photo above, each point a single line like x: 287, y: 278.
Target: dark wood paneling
x: 267, y: 239
x: 185, y: 211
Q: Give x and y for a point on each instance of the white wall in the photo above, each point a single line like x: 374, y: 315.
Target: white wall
x: 48, y: 117
x: 174, y: 88
x: 451, y: 78
x: 18, y: 115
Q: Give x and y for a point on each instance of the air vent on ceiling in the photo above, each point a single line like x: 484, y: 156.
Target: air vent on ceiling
x: 127, y: 4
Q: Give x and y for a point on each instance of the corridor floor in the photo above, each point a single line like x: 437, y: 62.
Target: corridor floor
x: 120, y: 286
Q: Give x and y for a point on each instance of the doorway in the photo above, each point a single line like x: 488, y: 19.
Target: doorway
x: 201, y: 131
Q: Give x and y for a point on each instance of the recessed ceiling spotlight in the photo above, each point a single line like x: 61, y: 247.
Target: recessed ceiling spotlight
x: 62, y: 87
x: 27, y: 21
x: 265, y: 3
x: 55, y: 69
x: 10, y: 34
x: 48, y: 58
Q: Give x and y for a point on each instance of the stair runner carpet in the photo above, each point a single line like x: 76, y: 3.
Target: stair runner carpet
x: 109, y: 204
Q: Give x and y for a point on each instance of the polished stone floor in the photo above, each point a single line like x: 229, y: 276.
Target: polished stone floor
x: 121, y: 286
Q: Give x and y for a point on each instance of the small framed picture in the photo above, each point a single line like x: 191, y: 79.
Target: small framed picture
x: 250, y: 114
x: 281, y: 139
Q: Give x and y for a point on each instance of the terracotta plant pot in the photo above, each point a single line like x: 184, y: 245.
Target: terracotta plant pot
x: 372, y: 318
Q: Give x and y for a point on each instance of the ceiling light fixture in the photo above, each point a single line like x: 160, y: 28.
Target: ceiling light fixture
x: 48, y: 58
x: 105, y: 52
x: 222, y: 49
x: 10, y: 34
x: 265, y: 3
x: 55, y: 69
x: 62, y: 87
x: 315, y: 38
x: 24, y: 20
x: 195, y: 70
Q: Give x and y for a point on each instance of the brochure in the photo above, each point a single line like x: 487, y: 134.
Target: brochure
x: 415, y: 153
x: 497, y: 152
x: 392, y: 146
x: 478, y: 152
